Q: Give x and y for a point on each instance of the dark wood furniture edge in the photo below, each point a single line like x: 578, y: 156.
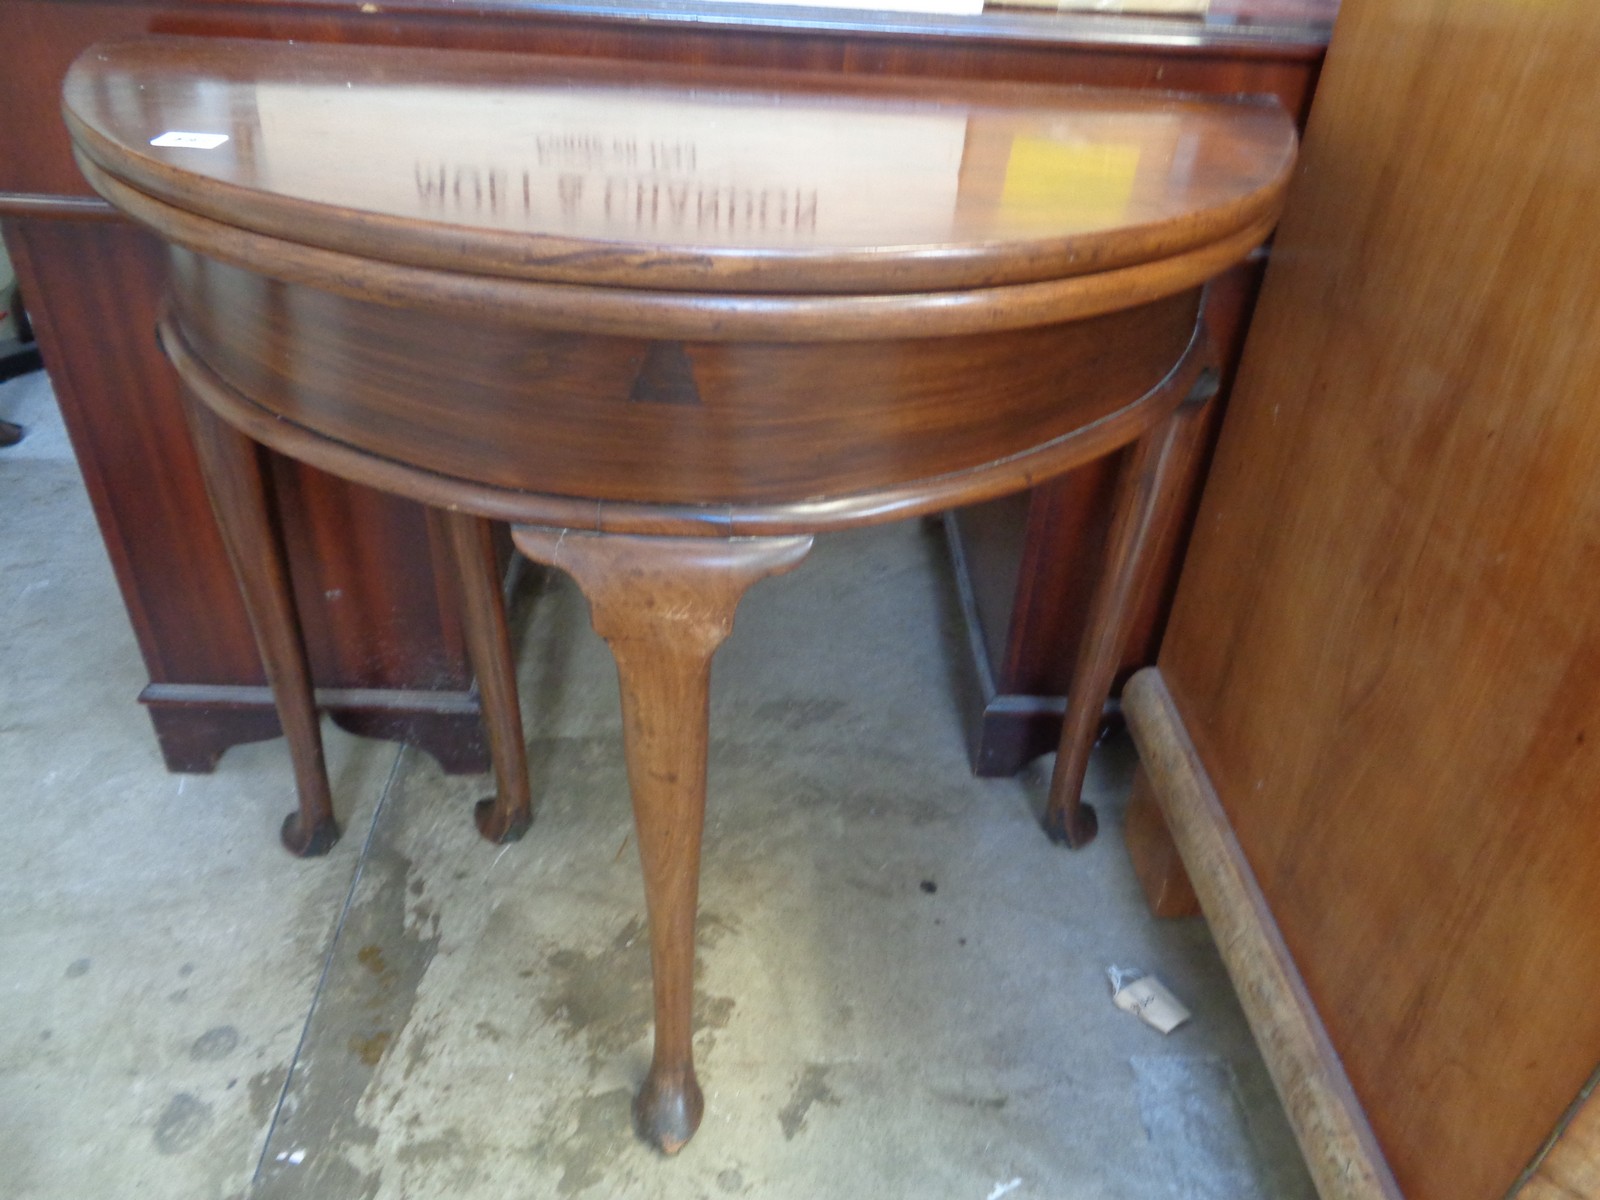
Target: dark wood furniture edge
x: 1098, y: 31
x: 695, y: 316
x: 483, y: 598
x: 899, y: 501
x: 1005, y: 730
x: 81, y: 208
x: 243, y: 498
x: 1340, y: 1148
x: 196, y: 723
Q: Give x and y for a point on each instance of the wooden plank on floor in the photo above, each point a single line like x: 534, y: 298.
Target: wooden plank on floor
x: 1340, y: 1149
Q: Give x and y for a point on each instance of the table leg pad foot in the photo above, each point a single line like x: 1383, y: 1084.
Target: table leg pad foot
x: 668, y: 1108
x: 312, y: 843
x: 498, y: 826
x: 1076, y: 827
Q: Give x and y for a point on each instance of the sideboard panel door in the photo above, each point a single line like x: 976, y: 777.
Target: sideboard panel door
x: 388, y: 654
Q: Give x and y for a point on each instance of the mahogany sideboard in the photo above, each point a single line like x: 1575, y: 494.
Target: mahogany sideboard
x: 387, y: 652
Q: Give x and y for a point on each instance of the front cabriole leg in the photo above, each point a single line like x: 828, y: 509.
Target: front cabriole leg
x: 664, y: 605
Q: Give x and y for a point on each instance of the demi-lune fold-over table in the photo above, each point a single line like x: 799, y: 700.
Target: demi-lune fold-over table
x: 670, y: 323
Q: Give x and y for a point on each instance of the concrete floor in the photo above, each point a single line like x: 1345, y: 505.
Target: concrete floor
x: 902, y: 984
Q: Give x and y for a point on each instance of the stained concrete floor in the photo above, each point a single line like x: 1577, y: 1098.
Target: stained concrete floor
x: 902, y: 984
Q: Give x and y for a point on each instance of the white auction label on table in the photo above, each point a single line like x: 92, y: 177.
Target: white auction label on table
x: 190, y: 141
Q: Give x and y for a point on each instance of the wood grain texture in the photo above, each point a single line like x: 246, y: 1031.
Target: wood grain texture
x: 203, y: 629
x: 692, y: 315
x: 1385, y: 645
x: 1168, y: 890
x: 42, y: 37
x: 1341, y: 1152
x: 664, y: 605
x: 662, y: 178
x: 1147, y: 483
x: 1270, y: 59
x: 813, y: 513
x: 1261, y: 47
x: 777, y: 423
x: 478, y: 580
x: 196, y: 723
x: 1032, y: 566
x: 236, y: 479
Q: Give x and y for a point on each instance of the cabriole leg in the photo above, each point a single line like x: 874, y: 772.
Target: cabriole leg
x: 241, y: 498
x: 664, y: 605
x: 470, y: 540
x: 1145, y: 489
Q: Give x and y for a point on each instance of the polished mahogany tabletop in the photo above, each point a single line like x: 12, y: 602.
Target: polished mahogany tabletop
x: 664, y: 177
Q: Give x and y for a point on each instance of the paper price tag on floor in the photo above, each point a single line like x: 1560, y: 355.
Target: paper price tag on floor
x: 1147, y: 998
